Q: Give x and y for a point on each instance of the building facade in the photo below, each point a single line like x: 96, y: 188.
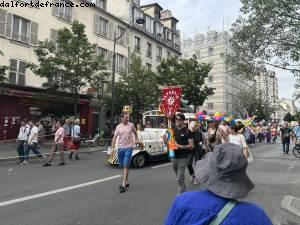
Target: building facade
x: 210, y: 49
x: 21, y: 28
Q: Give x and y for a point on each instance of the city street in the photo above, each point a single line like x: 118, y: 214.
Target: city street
x: 62, y: 195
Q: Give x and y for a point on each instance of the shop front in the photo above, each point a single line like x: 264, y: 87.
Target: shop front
x: 18, y: 103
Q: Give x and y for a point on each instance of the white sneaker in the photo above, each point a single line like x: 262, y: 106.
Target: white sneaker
x: 196, y: 181
x: 25, y: 163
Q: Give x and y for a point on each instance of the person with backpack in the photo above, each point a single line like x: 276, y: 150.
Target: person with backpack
x: 223, y: 172
x: 184, y: 144
x: 286, y: 134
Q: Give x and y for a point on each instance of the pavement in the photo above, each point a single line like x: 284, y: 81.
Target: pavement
x: 85, y: 192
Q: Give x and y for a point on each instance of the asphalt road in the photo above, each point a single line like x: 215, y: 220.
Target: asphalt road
x: 86, y: 191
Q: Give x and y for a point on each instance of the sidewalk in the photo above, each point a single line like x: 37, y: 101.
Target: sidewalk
x: 8, y: 150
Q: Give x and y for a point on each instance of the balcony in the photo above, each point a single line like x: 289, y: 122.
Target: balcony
x: 21, y: 38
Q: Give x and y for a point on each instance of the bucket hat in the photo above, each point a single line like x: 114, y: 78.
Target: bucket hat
x: 223, y: 171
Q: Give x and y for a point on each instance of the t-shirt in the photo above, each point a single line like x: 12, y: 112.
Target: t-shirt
x: 33, y: 134
x: 23, y: 133
x: 125, y: 134
x: 181, y: 137
x: 296, y: 131
x: 76, y: 131
x: 202, y: 207
x: 198, y: 139
x: 286, y: 133
x: 59, y: 135
x: 238, y: 139
x: 67, y: 129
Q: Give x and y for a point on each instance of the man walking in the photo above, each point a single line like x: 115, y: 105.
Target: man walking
x: 124, y: 132
x: 286, y: 133
x: 21, y: 140
x: 32, y: 142
x: 185, y: 144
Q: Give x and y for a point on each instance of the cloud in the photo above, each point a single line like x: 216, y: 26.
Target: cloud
x: 195, y: 16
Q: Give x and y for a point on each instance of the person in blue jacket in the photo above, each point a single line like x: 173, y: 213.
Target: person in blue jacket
x: 223, y: 172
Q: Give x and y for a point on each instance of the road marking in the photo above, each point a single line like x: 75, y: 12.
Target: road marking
x: 30, y: 197
x: 166, y: 164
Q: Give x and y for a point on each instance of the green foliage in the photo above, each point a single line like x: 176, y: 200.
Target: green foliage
x: 288, y: 117
x: 70, y: 63
x: 255, y: 105
x: 190, y: 75
x: 2, y: 71
x: 137, y: 88
x: 267, y: 33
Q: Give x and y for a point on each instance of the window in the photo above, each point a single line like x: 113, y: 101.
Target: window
x: 137, y: 46
x: 103, y: 52
x: 198, y: 55
x: 159, y: 53
x: 17, y: 72
x: 101, y: 26
x: 149, y: 24
x: 20, y: 30
x: 121, y: 33
x: 176, y: 40
x: 210, y: 105
x: 53, y: 38
x: 159, y: 30
x: 149, y: 50
x: 63, y: 12
x: 120, y: 62
x: 148, y: 66
x: 210, y: 51
x: 100, y: 3
x: 169, y: 54
x: 210, y: 79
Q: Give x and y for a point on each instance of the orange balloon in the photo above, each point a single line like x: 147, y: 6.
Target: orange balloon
x: 172, y: 145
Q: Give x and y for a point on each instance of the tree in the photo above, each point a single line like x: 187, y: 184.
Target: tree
x: 190, y: 75
x: 267, y: 33
x: 288, y: 117
x: 2, y: 71
x: 137, y: 88
x: 70, y: 63
x: 254, y: 105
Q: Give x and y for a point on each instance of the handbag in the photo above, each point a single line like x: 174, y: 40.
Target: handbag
x: 213, y: 137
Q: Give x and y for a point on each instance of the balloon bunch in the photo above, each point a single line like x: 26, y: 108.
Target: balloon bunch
x: 171, y: 142
x: 219, y: 116
x: 201, y: 116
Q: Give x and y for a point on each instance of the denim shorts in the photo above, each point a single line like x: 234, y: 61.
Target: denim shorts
x: 124, y: 157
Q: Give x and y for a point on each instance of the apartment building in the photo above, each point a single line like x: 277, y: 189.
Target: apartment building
x: 21, y: 28
x: 267, y: 86
x: 210, y: 48
x: 154, y: 40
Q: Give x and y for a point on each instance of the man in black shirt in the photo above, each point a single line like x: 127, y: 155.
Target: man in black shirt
x: 286, y: 133
x: 184, y: 144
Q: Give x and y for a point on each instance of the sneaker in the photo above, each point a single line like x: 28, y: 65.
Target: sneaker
x: 47, y: 164
x: 61, y: 164
x: 122, y: 189
x: 76, y: 157
x: 70, y: 156
x: 25, y: 163
x: 196, y: 181
x: 127, y: 185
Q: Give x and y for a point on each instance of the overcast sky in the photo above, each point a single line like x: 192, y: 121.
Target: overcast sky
x: 196, y: 16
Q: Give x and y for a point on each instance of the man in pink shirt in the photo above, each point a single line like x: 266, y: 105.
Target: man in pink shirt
x: 124, y: 132
x: 58, y: 144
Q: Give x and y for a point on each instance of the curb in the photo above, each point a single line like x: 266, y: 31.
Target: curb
x: 85, y: 150
x: 291, y: 204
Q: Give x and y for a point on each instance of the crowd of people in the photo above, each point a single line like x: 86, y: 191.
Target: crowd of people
x: 66, y: 137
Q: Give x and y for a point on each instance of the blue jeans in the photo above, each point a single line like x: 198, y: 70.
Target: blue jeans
x: 124, y: 157
x: 20, y: 150
x: 33, y: 147
x: 286, y: 146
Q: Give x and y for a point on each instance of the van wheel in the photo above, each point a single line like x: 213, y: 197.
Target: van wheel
x: 139, y: 161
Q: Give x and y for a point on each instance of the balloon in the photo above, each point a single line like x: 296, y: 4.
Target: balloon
x: 223, y: 118
x: 200, y: 117
x: 203, y: 116
x: 218, y: 118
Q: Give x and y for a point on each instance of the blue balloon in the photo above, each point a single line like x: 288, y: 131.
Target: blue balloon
x: 200, y: 117
x: 223, y: 118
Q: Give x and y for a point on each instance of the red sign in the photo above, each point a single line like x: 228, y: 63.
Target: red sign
x: 170, y: 102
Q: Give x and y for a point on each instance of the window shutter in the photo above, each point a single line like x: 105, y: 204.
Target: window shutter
x: 13, y: 65
x: 111, y: 30
x: 69, y: 14
x: 127, y: 37
x: 109, y: 59
x: 33, y: 33
x: 12, y: 77
x: 55, y: 10
x: 96, y: 24
x: 2, y: 21
x: 21, y: 79
x: 22, y: 67
x: 125, y: 64
x: 9, y: 20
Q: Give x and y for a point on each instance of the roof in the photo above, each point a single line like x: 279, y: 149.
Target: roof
x: 173, y: 18
x: 150, y: 5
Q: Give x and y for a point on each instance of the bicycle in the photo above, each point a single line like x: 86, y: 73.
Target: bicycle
x: 296, y: 149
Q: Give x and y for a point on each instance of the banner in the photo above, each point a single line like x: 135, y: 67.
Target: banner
x: 170, y: 102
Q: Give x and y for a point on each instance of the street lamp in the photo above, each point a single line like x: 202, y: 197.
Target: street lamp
x: 138, y: 20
